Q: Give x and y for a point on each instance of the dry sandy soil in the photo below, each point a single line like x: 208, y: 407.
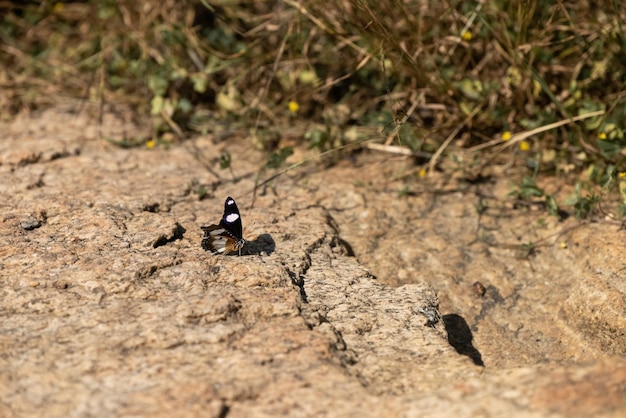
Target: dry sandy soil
x: 351, y: 299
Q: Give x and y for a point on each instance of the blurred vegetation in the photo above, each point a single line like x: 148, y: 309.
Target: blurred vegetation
x: 540, y: 81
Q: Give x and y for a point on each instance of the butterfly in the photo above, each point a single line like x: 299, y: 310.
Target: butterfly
x: 227, y: 237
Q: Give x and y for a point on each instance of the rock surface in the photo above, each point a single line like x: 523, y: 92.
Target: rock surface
x: 350, y: 299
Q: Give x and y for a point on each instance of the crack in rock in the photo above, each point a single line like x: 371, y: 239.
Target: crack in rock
x: 376, y: 332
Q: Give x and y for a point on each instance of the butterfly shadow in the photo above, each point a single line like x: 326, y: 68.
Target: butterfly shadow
x: 263, y: 244
x: 460, y: 337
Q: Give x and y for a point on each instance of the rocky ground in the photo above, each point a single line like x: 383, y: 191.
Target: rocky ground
x: 351, y: 299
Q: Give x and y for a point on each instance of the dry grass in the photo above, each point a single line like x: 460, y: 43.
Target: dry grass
x: 431, y: 77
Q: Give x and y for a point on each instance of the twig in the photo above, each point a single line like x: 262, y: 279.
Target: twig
x: 406, y: 117
x: 465, y: 29
x: 433, y: 161
x: 523, y: 135
x: 325, y: 28
x: 395, y: 149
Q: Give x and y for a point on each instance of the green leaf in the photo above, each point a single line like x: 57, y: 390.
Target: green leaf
x: 200, y: 81
x: 158, y: 85
x: 553, y: 207
x: 225, y: 160
x: 609, y: 149
x: 156, y: 105
x: 276, y: 159
x: 529, y: 188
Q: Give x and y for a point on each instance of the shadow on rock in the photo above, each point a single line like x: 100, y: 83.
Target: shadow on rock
x: 460, y: 337
x: 177, y: 232
x: 263, y: 244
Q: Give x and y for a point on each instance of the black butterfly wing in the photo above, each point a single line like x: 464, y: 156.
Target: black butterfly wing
x: 218, y: 240
x: 231, y: 221
x: 227, y: 237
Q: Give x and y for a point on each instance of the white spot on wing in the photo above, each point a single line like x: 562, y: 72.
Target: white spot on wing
x: 230, y: 202
x: 232, y: 217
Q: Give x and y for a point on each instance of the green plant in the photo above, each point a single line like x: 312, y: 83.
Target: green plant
x: 277, y: 158
x: 461, y: 75
x: 528, y: 189
x: 584, y: 201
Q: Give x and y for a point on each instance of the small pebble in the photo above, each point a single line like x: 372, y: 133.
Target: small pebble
x: 30, y: 223
x: 479, y: 288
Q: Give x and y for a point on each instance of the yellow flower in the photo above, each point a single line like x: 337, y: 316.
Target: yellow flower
x: 294, y: 107
x: 467, y: 36
x: 622, y: 174
x: 602, y: 135
x: 150, y: 144
x: 506, y: 135
x: 422, y: 173
x: 524, y: 146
